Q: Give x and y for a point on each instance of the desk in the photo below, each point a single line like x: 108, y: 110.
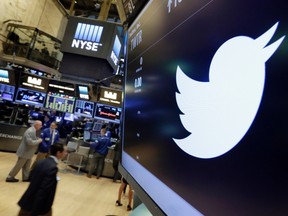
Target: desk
x: 108, y: 170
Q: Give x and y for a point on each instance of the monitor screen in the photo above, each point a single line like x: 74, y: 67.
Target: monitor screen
x: 115, y: 52
x: 7, y: 92
x: 110, y: 96
x: 83, y: 92
x: 87, y: 135
x: 69, y: 116
x: 84, y: 108
x: 30, y: 97
x: 4, y: 76
x: 60, y: 102
x: 107, y: 113
x: 88, y: 125
x: 205, y: 109
x: 97, y: 126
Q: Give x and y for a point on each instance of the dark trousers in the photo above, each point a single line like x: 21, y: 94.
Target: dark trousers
x: 98, y: 162
x: 23, y: 212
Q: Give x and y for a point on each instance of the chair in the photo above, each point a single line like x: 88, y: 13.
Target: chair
x: 82, y: 152
x: 71, y: 148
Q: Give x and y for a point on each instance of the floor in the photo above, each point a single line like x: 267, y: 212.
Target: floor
x: 76, y: 194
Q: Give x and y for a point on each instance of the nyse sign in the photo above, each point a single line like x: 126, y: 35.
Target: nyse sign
x: 85, y: 45
x: 87, y: 37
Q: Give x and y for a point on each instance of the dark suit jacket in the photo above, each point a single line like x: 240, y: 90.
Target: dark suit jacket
x: 39, y: 196
x: 46, y: 136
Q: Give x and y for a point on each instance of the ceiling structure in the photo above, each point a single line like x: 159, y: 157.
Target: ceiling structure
x: 120, y: 11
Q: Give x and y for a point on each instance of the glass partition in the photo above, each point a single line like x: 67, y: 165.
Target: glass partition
x: 33, y: 44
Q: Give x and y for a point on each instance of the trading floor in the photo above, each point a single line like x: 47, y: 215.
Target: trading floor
x: 76, y: 195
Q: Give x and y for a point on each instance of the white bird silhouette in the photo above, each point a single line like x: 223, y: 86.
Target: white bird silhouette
x: 218, y: 113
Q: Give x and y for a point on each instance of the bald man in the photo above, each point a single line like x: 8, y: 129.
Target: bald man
x: 28, y: 146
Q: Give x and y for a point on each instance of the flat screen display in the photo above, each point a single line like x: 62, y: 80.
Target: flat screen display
x: 7, y: 76
x: 110, y: 96
x: 63, y: 88
x: 83, y: 92
x: 60, y: 102
x: 69, y: 116
x: 205, y: 121
x: 84, y: 108
x: 34, y: 82
x: 7, y: 92
x: 4, y: 76
x: 97, y: 126
x: 30, y: 97
x: 114, y: 55
x: 107, y: 113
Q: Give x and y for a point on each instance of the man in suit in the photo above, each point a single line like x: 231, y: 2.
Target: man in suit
x: 25, y: 152
x: 49, y: 136
x: 39, y: 196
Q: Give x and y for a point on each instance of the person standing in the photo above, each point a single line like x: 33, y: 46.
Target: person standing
x: 100, y: 148
x: 49, y: 136
x: 28, y: 146
x: 121, y: 190
x: 46, y: 122
x: 39, y: 196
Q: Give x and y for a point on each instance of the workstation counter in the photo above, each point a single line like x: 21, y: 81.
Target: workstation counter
x: 75, y: 158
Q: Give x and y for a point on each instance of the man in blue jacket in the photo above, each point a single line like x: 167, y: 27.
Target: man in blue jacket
x: 49, y: 137
x: 100, y: 147
x: 39, y: 196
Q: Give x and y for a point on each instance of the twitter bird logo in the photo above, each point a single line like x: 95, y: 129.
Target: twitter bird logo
x: 218, y: 113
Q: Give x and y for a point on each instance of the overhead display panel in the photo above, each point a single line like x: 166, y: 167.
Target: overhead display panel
x: 110, y: 96
x: 7, y: 76
x: 62, y: 87
x: 87, y: 37
x: 60, y: 102
x: 31, y: 97
x: 108, y: 113
x: 116, y: 50
x: 205, y: 106
x: 84, y: 108
x: 34, y: 82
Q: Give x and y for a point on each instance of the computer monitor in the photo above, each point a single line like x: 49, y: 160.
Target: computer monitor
x: 31, y: 97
